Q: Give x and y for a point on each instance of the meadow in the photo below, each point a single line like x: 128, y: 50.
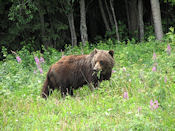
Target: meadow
x: 139, y: 96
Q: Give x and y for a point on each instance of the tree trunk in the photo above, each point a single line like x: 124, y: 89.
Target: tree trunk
x: 115, y: 21
x: 103, y: 15
x: 109, y: 14
x: 83, y: 28
x: 72, y: 28
x: 157, y: 19
x: 140, y: 20
x: 43, y: 38
x: 133, y: 18
x: 127, y: 14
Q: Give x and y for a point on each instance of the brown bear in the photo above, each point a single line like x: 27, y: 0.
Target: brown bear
x: 72, y: 72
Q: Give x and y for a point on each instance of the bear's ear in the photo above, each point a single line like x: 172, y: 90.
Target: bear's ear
x: 111, y: 52
x: 94, y: 52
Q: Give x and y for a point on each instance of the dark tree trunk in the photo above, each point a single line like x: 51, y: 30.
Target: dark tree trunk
x: 109, y: 14
x: 83, y: 27
x: 127, y: 14
x: 72, y: 28
x: 157, y: 19
x: 140, y: 20
x: 52, y: 40
x: 103, y: 15
x: 133, y: 18
x: 115, y: 21
x: 43, y: 37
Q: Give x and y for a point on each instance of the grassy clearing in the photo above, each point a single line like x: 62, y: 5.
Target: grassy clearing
x: 21, y: 107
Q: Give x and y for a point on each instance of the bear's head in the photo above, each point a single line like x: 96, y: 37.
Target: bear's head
x: 102, y: 61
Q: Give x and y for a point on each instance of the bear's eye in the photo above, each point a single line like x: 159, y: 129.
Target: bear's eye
x: 101, y: 62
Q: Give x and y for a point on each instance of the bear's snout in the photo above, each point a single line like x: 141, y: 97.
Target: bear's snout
x: 97, y: 67
x: 95, y: 70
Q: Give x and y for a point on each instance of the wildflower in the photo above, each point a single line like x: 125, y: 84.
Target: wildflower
x: 128, y: 75
x: 113, y: 71
x: 154, y: 56
x: 139, y: 109
x: 165, y: 79
x: 41, y: 59
x: 151, y: 102
x: 124, y: 69
x: 37, y: 60
x: 41, y: 71
x: 18, y: 59
x: 125, y: 95
x: 154, y: 105
x: 169, y: 49
x: 38, y: 63
x: 154, y: 68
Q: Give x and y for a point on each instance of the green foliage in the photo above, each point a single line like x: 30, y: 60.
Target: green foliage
x: 22, y: 108
x: 22, y: 24
x: 36, y: 23
x: 122, y: 29
x: 67, y: 6
x: 149, y: 32
x: 172, y: 1
x: 22, y: 12
x: 170, y: 36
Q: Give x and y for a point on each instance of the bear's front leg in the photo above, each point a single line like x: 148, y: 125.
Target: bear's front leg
x: 70, y: 91
x: 96, y: 84
x: 95, y: 81
x: 64, y: 91
x: 45, y: 92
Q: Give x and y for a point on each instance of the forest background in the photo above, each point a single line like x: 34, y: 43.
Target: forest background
x: 57, y: 23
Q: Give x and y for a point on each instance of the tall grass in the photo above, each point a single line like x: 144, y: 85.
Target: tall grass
x: 136, y: 97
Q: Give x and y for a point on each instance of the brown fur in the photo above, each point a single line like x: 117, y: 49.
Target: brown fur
x: 72, y: 72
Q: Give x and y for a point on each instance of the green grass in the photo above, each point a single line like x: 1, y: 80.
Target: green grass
x: 22, y: 108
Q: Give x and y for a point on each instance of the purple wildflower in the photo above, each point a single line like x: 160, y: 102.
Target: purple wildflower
x: 41, y: 59
x: 38, y: 63
x: 139, y: 109
x: 154, y: 56
x: 113, y: 71
x: 37, y: 60
x: 169, y: 49
x: 125, y: 95
x: 154, y: 69
x: 165, y: 79
x: 18, y: 59
x: 41, y: 71
x: 154, y: 105
x: 151, y: 103
x: 124, y: 69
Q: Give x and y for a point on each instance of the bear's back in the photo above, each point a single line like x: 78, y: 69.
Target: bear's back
x: 71, y: 58
x: 68, y: 64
